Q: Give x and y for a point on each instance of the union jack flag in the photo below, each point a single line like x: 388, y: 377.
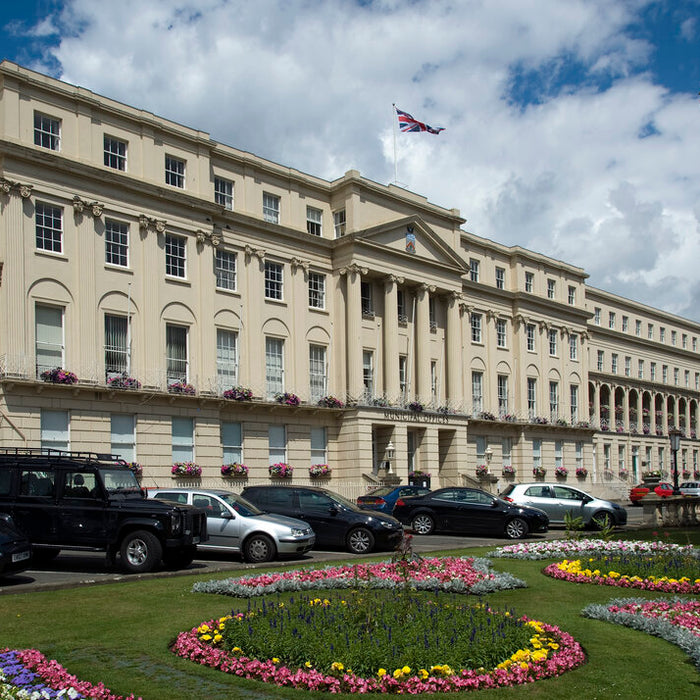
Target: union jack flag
x: 408, y: 123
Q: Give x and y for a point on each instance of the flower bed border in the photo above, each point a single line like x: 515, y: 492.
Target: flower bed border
x: 558, y: 570
x: 554, y: 549
x: 521, y: 667
x: 658, y: 626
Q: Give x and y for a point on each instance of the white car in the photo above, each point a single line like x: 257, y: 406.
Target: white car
x: 690, y: 488
x: 236, y: 525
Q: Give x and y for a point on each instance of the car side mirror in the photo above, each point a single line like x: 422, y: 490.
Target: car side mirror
x: 494, y: 503
x: 227, y: 515
x: 333, y: 510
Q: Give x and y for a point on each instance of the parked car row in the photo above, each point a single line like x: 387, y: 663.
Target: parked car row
x: 663, y: 489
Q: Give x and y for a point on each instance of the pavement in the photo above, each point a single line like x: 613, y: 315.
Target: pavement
x: 77, y: 569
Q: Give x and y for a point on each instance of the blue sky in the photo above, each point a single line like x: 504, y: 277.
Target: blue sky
x: 571, y: 126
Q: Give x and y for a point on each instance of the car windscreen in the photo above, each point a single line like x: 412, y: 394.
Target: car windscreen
x: 240, y: 505
x: 120, y: 481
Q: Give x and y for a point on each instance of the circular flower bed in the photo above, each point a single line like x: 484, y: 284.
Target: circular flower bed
x: 447, y: 574
x: 676, y: 620
x: 28, y: 671
x: 541, y: 650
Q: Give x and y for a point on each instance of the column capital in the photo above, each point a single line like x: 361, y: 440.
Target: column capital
x: 353, y: 268
x: 149, y: 223
x: 11, y: 187
x: 251, y: 252
x: 298, y: 262
x: 213, y: 237
x: 80, y: 206
x: 394, y: 279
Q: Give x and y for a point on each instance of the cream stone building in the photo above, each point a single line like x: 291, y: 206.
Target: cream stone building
x: 371, y: 332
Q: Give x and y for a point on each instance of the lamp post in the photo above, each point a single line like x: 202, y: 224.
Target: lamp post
x: 389, y: 454
x: 674, y: 435
x: 488, y: 453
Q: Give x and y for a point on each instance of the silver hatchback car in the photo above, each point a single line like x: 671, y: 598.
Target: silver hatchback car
x: 557, y: 500
x: 236, y: 525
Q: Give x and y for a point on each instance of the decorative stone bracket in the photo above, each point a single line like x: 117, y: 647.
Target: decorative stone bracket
x: 80, y: 206
x: 11, y: 187
x: 148, y: 223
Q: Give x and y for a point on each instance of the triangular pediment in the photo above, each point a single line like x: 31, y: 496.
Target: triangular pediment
x: 412, y: 237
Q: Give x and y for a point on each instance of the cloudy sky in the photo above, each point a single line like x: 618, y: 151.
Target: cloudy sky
x: 572, y: 127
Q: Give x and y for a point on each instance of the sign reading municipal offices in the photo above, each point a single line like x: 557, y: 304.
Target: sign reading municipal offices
x: 416, y: 416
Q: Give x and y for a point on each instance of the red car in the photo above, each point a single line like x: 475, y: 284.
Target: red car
x: 662, y: 489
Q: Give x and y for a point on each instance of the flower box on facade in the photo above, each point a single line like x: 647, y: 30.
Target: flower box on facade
x: 281, y: 470
x: 186, y: 469
x: 238, y: 393
x: 59, y: 376
x: 234, y: 470
x: 319, y: 471
x: 421, y: 479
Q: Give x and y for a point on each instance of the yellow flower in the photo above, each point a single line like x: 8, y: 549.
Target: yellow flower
x: 203, y: 628
x: 397, y: 673
x: 205, y: 637
x: 381, y: 672
x: 308, y: 664
x: 217, y: 638
x: 337, y: 666
x: 406, y: 670
x: 423, y: 674
x: 236, y: 650
x: 275, y: 660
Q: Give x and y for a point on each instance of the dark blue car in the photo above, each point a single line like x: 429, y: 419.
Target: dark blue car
x: 384, y: 498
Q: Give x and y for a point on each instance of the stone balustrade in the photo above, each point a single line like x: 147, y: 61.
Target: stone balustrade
x: 671, y: 512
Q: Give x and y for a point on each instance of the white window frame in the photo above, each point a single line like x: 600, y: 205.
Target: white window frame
x: 274, y: 366
x: 182, y: 439
x: 123, y: 435
x: 277, y: 444
x: 317, y: 290
x: 225, y: 264
x: 572, y: 295
x: 175, y: 171
x: 318, y: 442
x: 473, y: 269
x: 573, y: 347
x: 613, y: 363
x: 500, y: 278
x: 116, y: 243
x: 117, y: 357
x: 231, y: 442
x: 318, y: 372
x: 553, y: 342
x: 551, y: 288
x: 314, y: 221
x: 531, y: 397
x: 573, y: 403
x: 475, y: 322
x: 226, y: 358
x: 501, y: 333
x: 368, y: 374
x: 55, y: 429
x: 223, y: 192
x: 529, y: 282
x: 477, y: 392
x: 48, y: 221
x: 502, y: 384
x: 530, y: 337
x: 274, y: 280
x: 176, y: 353
x: 339, y: 223
x: 47, y: 131
x: 271, y: 208
x: 175, y: 256
x: 115, y: 151
x: 49, y: 334
x: 553, y: 400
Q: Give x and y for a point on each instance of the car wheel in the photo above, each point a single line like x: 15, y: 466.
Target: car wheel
x: 360, y: 540
x: 180, y: 558
x: 423, y: 524
x: 516, y: 529
x: 140, y: 552
x: 258, y: 549
x: 602, y: 520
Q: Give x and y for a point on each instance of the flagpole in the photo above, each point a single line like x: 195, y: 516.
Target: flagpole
x: 393, y: 119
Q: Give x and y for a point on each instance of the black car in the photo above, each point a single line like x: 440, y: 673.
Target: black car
x: 336, y: 521
x: 88, y: 501
x: 15, y: 549
x: 469, y: 510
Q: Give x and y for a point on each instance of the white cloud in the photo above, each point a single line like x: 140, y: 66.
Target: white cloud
x: 310, y: 84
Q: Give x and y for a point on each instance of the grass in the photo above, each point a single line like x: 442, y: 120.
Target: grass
x: 119, y: 634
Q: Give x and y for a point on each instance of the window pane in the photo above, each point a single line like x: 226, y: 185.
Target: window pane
x: 123, y: 436
x: 116, y: 345
x: 176, y: 353
x: 182, y: 439
x: 49, y: 338
x: 116, y: 243
x: 226, y: 359
x: 49, y: 227
x: 54, y: 430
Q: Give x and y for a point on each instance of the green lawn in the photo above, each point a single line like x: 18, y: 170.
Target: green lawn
x: 119, y: 634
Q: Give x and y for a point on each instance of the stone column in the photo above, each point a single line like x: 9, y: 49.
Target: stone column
x: 254, y: 341
x: 422, y: 344
x: 391, y: 338
x: 353, y: 323
x: 453, y: 351
x: 626, y: 410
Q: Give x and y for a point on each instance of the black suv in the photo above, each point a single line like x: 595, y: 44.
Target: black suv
x: 87, y: 501
x: 336, y: 521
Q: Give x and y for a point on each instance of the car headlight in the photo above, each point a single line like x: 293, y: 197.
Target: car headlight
x: 297, y: 532
x: 388, y: 525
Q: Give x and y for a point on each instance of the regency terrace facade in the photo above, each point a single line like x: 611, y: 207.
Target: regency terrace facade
x: 164, y: 270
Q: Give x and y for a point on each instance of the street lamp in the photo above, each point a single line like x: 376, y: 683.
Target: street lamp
x: 674, y: 435
x: 389, y: 454
x: 488, y: 453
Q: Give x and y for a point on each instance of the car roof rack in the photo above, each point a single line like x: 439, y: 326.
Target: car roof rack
x: 67, y: 455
